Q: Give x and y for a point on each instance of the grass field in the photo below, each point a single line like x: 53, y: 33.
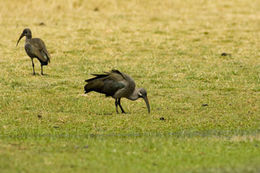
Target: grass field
x: 171, y: 48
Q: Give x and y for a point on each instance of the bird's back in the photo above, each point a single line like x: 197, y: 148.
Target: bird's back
x: 108, y: 83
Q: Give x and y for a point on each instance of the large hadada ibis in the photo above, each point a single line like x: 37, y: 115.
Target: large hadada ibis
x: 35, y: 48
x: 117, y: 85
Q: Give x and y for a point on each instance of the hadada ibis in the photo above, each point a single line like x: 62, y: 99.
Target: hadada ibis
x: 117, y: 85
x: 35, y: 48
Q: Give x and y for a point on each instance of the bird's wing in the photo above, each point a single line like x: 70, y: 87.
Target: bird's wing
x: 112, y: 86
x: 107, y: 83
x: 39, y: 45
x: 127, y: 80
x: 36, y: 52
x: 118, y: 74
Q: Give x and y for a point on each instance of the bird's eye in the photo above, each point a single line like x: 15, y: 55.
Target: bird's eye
x: 140, y: 94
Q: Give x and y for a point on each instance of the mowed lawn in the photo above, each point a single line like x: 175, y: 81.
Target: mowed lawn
x: 205, y: 113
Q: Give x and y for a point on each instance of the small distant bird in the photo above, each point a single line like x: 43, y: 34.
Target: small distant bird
x: 39, y: 116
x: 225, y: 54
x: 35, y: 48
x: 162, y: 118
x: 117, y: 85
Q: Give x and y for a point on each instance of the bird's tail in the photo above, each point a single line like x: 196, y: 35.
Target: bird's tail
x: 46, y: 57
x: 95, y: 83
x: 87, y: 88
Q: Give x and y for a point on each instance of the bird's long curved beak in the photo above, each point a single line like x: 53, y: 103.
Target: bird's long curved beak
x: 147, y: 103
x: 21, y: 36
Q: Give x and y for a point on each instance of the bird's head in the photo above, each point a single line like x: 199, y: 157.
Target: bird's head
x: 27, y: 33
x: 143, y: 94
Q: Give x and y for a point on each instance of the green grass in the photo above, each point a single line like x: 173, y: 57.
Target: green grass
x: 171, y: 48
x: 131, y: 154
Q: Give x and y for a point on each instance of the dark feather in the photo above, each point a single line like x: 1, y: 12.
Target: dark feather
x: 97, y: 77
x: 40, y: 50
x: 118, y: 72
x: 107, y: 83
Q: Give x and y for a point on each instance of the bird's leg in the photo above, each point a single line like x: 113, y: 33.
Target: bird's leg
x: 119, y: 103
x: 41, y: 70
x: 33, y: 67
x: 116, y: 105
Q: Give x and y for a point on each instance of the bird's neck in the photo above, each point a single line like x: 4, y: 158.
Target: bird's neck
x: 28, y: 37
x: 134, y: 95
